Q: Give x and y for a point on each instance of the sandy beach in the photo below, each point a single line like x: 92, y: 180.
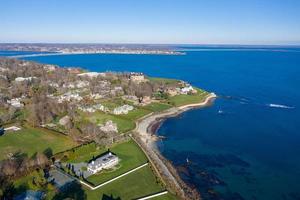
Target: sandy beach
x: 146, y: 138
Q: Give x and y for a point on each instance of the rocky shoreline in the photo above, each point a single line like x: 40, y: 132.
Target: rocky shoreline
x: 145, y: 136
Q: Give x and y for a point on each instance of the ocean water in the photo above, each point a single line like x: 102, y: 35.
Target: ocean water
x: 19, y: 53
x: 246, y: 145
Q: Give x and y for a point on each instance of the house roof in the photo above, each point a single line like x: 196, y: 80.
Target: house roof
x: 94, y: 164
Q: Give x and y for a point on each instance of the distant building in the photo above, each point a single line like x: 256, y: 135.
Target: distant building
x: 137, y: 77
x: 109, y: 127
x: 171, y: 91
x: 3, y: 69
x: 73, y: 70
x: 69, y: 97
x: 187, y: 89
x: 50, y: 68
x: 65, y: 120
x: 91, y: 74
x: 122, y: 109
x: 96, y: 96
x: 106, y: 161
x: 20, y: 79
x: 16, y: 102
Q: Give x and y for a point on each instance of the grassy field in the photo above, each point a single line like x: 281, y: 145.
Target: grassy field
x: 131, y: 157
x: 31, y: 140
x: 157, y: 107
x: 83, y: 153
x: 181, y: 100
x: 140, y: 183
x: 136, y: 113
x: 123, y: 124
x: 137, y: 184
x: 163, y: 80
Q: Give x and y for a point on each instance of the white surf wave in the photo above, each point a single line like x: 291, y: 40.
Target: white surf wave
x: 279, y: 106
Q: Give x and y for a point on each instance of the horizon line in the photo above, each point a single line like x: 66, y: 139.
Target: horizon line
x: 158, y: 44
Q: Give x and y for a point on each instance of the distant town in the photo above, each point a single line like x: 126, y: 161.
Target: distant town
x: 89, y: 48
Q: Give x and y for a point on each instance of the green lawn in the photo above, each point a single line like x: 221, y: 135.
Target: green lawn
x: 82, y: 153
x: 137, y: 184
x: 131, y: 157
x: 31, y: 140
x: 123, y: 124
x: 27, y: 180
x: 157, y: 107
x: 163, y: 80
x: 180, y: 100
x: 136, y: 114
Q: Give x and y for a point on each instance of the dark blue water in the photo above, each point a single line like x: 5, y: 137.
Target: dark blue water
x: 242, y: 147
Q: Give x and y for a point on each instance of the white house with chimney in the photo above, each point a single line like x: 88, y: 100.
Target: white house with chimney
x: 106, y: 161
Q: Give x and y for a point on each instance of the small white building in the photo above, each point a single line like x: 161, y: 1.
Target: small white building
x: 82, y: 84
x: 187, y: 89
x: 96, y: 96
x: 3, y: 69
x: 109, y: 127
x: 106, y: 161
x: 100, y: 107
x: 50, y: 68
x: 69, y: 96
x: 137, y: 77
x: 87, y: 109
x: 64, y: 120
x: 16, y: 102
x: 91, y: 74
x: 122, y: 109
x: 20, y: 79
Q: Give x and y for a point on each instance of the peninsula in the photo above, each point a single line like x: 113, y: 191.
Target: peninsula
x: 70, y: 133
x: 38, y: 49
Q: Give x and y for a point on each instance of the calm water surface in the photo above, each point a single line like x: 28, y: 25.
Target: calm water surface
x: 245, y: 146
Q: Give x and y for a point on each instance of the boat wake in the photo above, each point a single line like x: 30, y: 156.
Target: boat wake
x: 272, y: 105
x: 245, y: 100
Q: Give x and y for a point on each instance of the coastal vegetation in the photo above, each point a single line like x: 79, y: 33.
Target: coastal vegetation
x: 53, y: 118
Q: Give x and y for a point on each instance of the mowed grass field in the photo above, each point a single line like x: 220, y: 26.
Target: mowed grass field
x: 157, y: 107
x: 30, y: 140
x: 180, y: 100
x: 98, y: 117
x: 137, y: 184
x: 130, y: 155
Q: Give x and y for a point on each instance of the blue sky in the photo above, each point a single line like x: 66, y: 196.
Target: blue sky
x: 151, y: 21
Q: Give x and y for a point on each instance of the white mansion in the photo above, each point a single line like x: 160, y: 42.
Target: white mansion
x: 104, y: 162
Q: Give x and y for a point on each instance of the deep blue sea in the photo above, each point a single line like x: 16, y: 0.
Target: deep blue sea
x: 246, y: 145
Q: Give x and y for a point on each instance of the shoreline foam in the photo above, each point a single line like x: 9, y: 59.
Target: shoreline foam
x: 146, y: 138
